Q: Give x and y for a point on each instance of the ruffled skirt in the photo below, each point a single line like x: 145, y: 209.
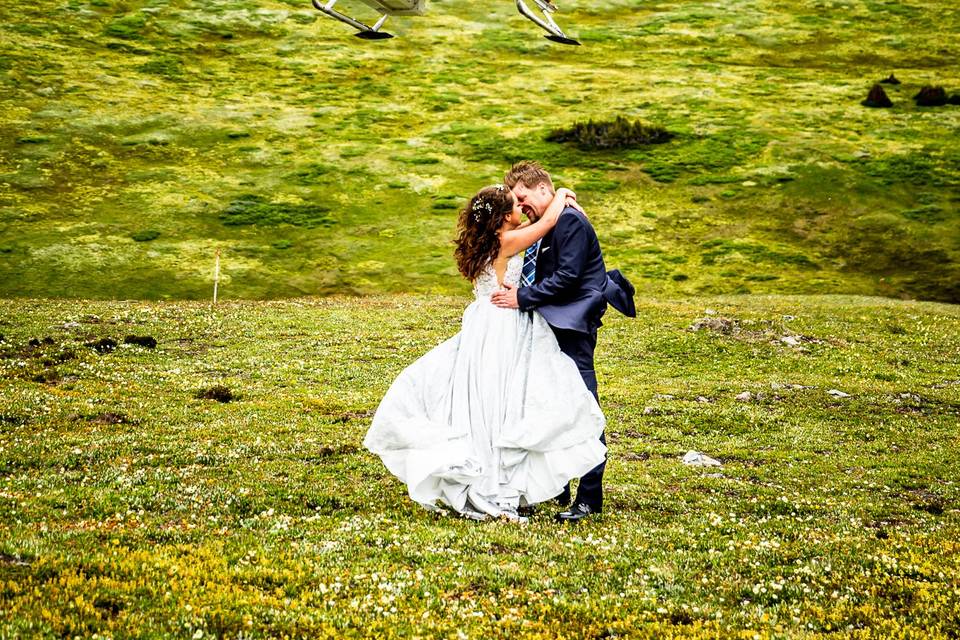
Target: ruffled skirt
x: 494, y: 418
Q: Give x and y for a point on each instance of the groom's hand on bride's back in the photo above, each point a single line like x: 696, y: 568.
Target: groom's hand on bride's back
x: 506, y: 298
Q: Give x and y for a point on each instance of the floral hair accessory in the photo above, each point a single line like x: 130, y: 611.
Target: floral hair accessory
x: 479, y: 206
x: 487, y: 206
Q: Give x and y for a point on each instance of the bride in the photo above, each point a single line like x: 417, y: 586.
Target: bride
x: 496, y: 417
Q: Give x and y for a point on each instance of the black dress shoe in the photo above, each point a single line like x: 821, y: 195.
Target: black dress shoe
x: 527, y: 510
x: 576, y: 513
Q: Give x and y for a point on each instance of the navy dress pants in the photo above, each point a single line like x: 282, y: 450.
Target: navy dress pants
x: 580, y: 347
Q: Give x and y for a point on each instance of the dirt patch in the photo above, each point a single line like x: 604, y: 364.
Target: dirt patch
x: 109, y: 606
x: 109, y: 417
x: 628, y: 433
x: 218, y: 392
x: 750, y: 463
x: 329, y: 451
x: 13, y: 419
x: 7, y: 560
x: 43, y: 356
x: 148, y: 342
x: 721, y: 325
x: 771, y: 331
x: 103, y: 345
x: 347, y: 416
x: 927, y: 501
x: 914, y: 404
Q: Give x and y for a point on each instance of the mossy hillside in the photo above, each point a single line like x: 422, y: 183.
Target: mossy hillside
x: 131, y: 507
x: 125, y: 120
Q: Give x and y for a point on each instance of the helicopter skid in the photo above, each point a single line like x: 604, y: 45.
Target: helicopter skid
x: 563, y: 40
x: 373, y: 35
x: 364, y: 31
x: 545, y: 21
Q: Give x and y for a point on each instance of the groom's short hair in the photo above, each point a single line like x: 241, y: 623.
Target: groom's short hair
x: 529, y: 173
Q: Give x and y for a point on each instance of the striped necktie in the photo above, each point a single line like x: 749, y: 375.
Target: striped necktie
x: 529, y: 273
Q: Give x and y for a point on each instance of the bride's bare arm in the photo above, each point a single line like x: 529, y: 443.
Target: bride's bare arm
x: 519, y: 239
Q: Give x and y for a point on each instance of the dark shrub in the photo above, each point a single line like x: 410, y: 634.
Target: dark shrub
x: 877, y: 98
x: 616, y: 134
x: 931, y: 97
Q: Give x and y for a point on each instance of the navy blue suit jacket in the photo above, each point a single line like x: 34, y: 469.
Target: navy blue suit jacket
x: 572, y: 286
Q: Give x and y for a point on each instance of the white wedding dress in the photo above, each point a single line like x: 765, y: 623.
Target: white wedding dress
x: 494, y: 418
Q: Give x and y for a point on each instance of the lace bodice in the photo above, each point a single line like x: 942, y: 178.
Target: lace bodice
x: 486, y: 283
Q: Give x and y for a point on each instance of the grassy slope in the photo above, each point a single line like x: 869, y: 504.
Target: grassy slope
x: 127, y: 506
x: 118, y: 118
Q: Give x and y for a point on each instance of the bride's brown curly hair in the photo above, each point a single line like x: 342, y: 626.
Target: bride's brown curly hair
x: 478, y: 230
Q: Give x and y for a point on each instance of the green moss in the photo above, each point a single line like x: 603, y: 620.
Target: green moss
x: 314, y: 173
x: 146, y: 235
x: 33, y: 139
x: 257, y: 210
x: 419, y: 160
x: 759, y: 97
x: 169, y: 67
x: 720, y: 250
x: 596, y: 184
x: 124, y: 47
x: 715, y: 179
x: 128, y: 27
x: 928, y: 214
x: 924, y: 169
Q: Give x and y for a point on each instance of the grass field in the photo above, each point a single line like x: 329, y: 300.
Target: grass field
x: 131, y: 508
x: 139, y: 136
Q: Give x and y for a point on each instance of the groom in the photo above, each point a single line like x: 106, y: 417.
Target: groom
x: 564, y: 279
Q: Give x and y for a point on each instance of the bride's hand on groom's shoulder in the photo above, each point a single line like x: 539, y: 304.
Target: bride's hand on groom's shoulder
x: 571, y: 200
